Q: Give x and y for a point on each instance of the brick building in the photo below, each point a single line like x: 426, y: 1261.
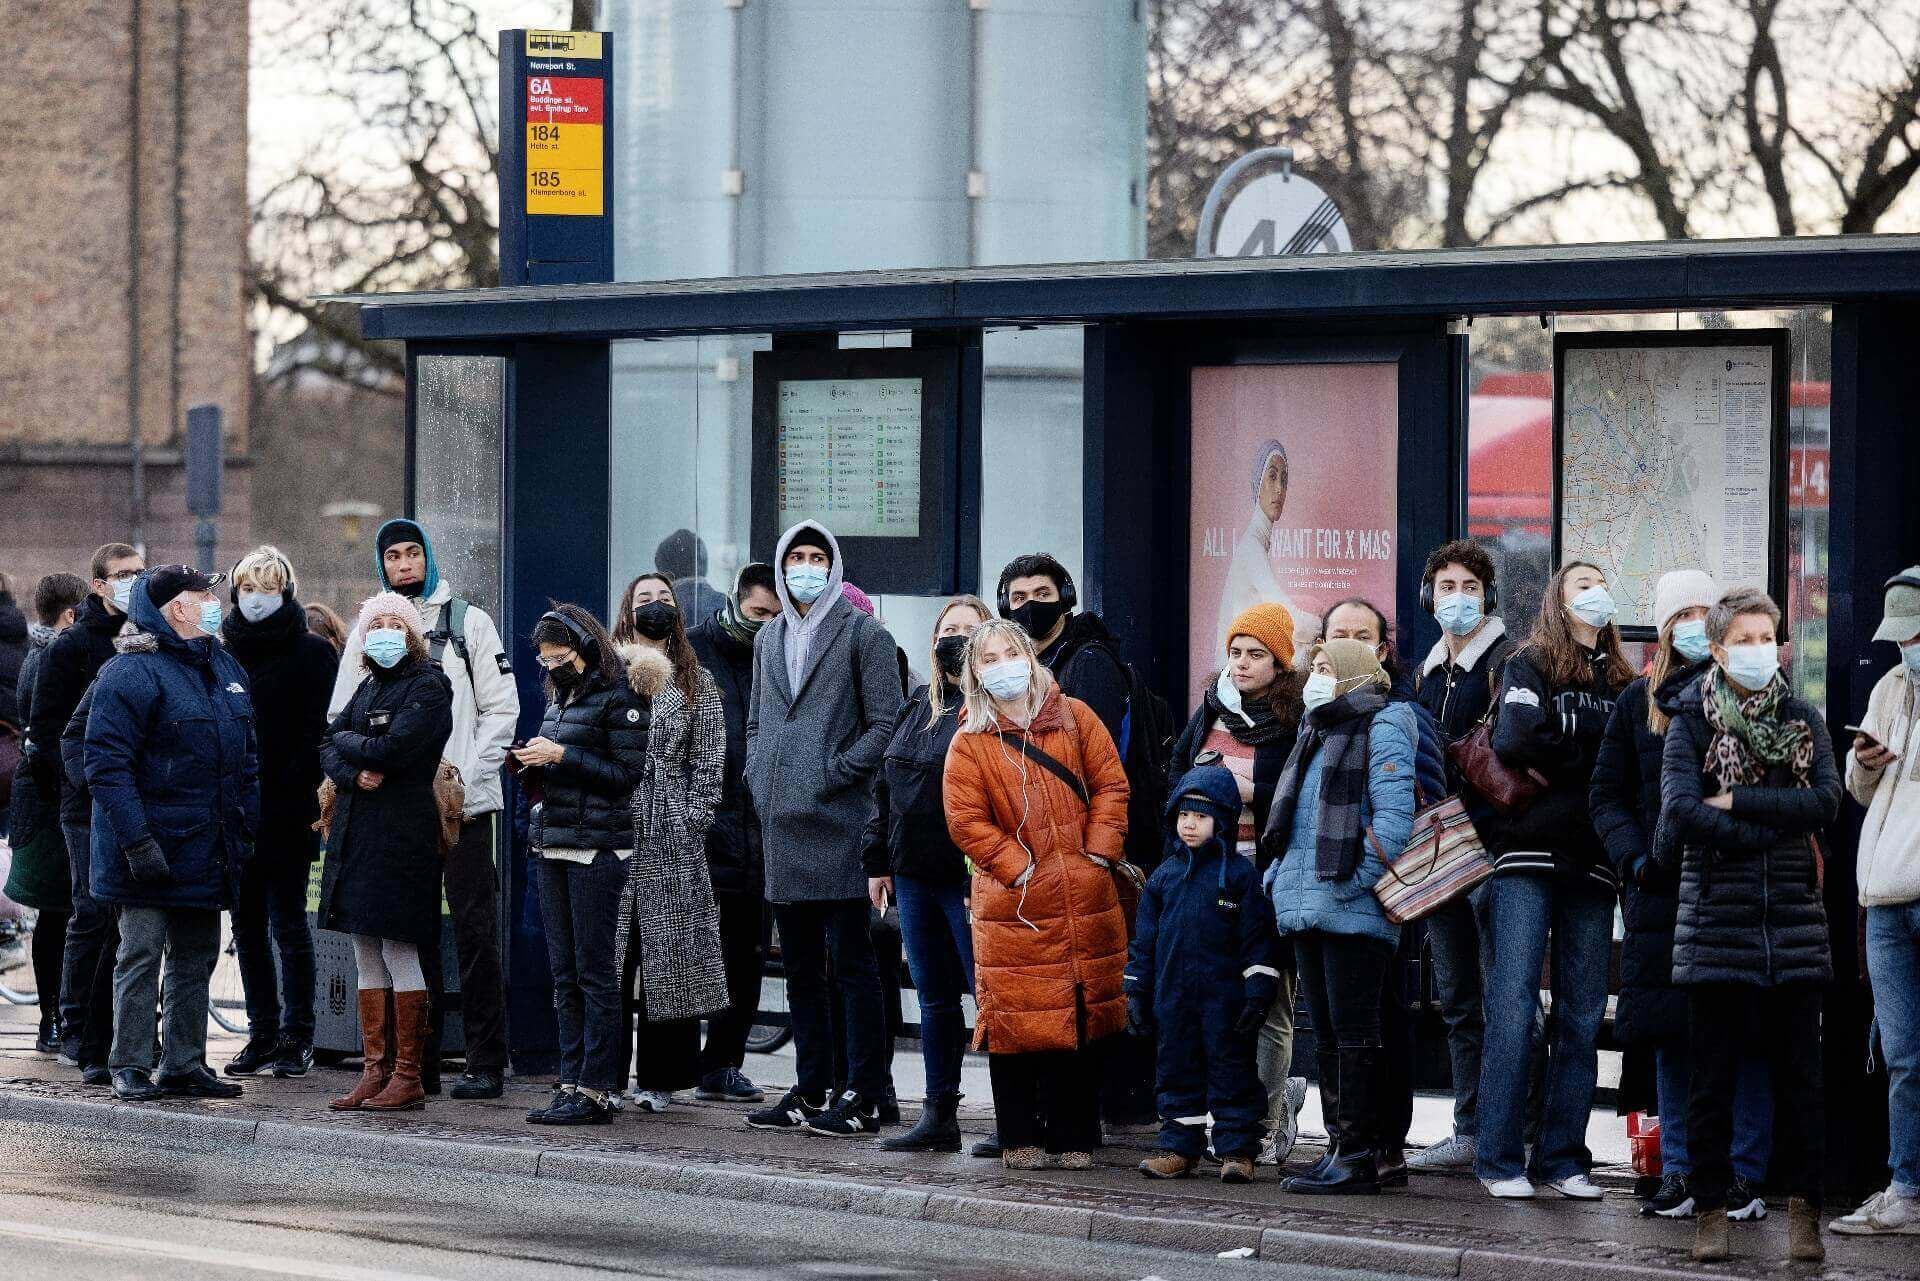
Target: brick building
x: 122, y: 274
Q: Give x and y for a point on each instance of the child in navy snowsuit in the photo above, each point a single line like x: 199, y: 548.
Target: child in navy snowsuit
x: 1201, y: 974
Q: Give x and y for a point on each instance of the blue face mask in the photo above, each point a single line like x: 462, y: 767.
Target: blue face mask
x: 805, y: 583
x: 1458, y: 612
x: 1910, y: 655
x: 1690, y: 639
x: 123, y: 593
x: 1753, y: 667
x: 210, y: 617
x: 257, y: 606
x: 1009, y: 680
x: 1594, y: 607
x: 386, y: 645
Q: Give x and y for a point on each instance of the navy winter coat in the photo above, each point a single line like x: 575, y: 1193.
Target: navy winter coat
x: 1750, y: 905
x: 170, y: 754
x: 1203, y: 951
x: 1626, y: 813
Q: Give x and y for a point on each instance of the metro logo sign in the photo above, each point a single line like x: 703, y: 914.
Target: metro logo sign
x: 566, y: 118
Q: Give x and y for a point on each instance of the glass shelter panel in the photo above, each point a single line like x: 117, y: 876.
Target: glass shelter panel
x: 459, y: 430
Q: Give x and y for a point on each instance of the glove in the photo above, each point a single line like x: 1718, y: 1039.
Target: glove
x: 1252, y: 1016
x: 1139, y: 1018
x: 146, y: 862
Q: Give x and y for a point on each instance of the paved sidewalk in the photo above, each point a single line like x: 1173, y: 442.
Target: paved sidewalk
x: 1441, y: 1226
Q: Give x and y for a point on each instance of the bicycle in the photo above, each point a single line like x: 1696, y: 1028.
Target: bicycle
x: 16, y: 961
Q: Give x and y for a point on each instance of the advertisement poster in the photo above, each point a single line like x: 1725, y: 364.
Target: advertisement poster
x: 1295, y: 496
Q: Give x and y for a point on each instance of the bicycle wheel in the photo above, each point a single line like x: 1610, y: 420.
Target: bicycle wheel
x: 16, y: 962
x: 226, y: 995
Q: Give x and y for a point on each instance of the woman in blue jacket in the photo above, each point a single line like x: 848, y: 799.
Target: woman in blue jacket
x: 1342, y: 811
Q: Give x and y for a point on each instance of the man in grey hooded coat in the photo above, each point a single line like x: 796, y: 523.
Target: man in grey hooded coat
x: 826, y: 693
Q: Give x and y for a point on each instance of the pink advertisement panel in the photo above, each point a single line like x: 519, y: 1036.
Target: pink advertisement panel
x: 1295, y: 496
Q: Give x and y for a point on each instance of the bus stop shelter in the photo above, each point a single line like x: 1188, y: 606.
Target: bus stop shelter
x: 528, y: 461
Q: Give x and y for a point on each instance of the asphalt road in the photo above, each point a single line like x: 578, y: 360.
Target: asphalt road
x: 77, y: 1204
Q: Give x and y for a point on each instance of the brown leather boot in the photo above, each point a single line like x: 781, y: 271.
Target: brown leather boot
x: 1711, y: 1239
x: 403, y: 1091
x: 376, y: 1043
x: 1167, y: 1165
x: 1803, y: 1232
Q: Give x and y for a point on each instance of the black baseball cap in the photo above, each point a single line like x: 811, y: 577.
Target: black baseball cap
x: 167, y: 581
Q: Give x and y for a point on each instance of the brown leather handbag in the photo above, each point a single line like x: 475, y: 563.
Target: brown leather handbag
x: 1507, y: 789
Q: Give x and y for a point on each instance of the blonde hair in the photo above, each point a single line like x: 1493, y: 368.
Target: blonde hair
x: 936, y: 686
x: 266, y: 569
x: 974, y: 699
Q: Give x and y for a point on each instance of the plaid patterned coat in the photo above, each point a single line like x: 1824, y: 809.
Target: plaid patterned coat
x: 668, y: 898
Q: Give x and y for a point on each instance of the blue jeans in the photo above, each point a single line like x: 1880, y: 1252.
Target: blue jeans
x: 939, y: 943
x: 1523, y: 913
x: 1752, y: 1112
x: 1893, y: 963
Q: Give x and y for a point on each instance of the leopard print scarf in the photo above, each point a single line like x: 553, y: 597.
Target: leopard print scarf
x: 1749, y: 735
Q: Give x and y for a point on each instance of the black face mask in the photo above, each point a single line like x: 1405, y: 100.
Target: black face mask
x: 565, y: 676
x: 654, y: 620
x: 1037, y: 617
x: 948, y: 651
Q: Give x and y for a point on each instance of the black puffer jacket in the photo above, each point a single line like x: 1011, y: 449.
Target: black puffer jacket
x: 907, y: 835
x: 290, y: 672
x: 13, y: 652
x: 1626, y: 813
x: 733, y: 842
x: 603, y: 727
x: 383, y: 870
x: 1750, y: 908
x: 68, y: 667
x: 1555, y: 730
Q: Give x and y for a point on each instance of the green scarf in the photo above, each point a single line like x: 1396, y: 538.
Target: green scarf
x: 1750, y: 736
x: 738, y: 626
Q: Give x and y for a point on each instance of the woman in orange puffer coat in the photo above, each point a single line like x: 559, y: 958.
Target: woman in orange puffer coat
x: 1043, y: 827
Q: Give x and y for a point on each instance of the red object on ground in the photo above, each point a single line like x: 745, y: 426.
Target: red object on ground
x: 1643, y: 1141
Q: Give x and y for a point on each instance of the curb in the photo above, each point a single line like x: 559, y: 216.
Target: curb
x: 736, y: 1183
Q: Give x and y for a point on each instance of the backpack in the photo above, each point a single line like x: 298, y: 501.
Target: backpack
x: 1145, y: 744
x: 453, y: 629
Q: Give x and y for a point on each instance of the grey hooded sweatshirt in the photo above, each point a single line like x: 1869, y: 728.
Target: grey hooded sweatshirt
x: 826, y: 693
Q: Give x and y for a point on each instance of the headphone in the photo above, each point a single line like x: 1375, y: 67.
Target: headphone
x: 584, y: 643
x: 1490, y: 600
x: 286, y: 574
x: 1069, y: 594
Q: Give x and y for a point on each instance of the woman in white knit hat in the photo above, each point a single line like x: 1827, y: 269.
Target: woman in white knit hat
x: 381, y: 883
x: 1652, y: 1013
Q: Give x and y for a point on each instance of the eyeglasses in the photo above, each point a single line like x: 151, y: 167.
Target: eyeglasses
x: 556, y: 660
x: 124, y: 576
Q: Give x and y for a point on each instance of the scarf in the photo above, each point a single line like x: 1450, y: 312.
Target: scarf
x: 1340, y: 728
x: 1749, y: 735
x: 1254, y: 724
x: 735, y: 624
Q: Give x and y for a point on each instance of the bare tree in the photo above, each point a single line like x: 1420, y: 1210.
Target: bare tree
x: 404, y: 196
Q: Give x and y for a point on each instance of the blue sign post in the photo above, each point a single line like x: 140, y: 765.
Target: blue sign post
x: 556, y: 157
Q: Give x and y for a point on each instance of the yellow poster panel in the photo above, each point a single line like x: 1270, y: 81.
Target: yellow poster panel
x: 565, y: 191
x: 563, y: 44
x: 558, y: 146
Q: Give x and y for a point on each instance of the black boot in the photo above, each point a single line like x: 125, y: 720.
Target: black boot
x: 937, y: 1130
x: 1351, y: 1170
x: 1329, y: 1061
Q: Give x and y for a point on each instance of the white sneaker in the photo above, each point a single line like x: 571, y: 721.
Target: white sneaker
x: 1456, y: 1152
x: 1279, y: 1142
x: 1509, y: 1189
x: 1577, y: 1187
x: 651, y: 1100
x: 1885, y: 1214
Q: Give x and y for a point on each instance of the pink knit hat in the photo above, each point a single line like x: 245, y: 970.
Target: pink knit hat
x: 404, y: 607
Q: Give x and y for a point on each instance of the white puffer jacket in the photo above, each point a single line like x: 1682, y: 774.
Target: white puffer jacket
x: 1889, y: 862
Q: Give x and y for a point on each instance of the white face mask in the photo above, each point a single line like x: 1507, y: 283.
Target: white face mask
x: 1229, y: 695
x: 1319, y: 689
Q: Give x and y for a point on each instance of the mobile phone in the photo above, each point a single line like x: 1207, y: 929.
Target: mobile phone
x: 1862, y: 732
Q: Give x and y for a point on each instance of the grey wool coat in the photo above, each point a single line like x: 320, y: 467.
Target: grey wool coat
x: 668, y: 896
x: 812, y: 752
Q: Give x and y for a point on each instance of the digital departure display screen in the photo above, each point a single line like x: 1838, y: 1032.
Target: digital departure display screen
x: 849, y: 455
